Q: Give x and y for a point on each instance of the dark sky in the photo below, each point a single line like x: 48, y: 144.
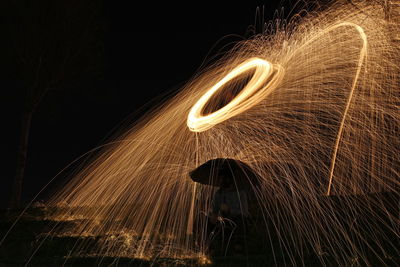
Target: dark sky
x: 150, y: 49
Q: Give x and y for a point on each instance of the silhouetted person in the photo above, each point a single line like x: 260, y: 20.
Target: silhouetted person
x: 229, y: 211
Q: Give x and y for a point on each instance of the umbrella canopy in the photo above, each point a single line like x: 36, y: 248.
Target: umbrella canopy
x: 212, y: 171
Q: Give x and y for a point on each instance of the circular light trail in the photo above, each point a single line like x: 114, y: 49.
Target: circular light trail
x: 265, y: 79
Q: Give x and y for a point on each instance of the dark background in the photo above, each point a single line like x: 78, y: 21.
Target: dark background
x: 149, y: 50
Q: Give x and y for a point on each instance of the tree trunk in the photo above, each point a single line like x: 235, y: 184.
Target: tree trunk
x: 22, y: 158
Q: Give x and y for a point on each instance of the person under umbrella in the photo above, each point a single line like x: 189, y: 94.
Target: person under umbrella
x: 229, y: 201
x: 229, y: 206
x: 230, y: 210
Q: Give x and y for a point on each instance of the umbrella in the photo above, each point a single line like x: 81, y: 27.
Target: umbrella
x: 209, y: 173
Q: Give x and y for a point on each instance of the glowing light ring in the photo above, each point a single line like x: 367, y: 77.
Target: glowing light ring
x: 265, y: 79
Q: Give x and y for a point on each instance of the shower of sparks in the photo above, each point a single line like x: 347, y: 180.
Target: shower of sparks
x: 317, y: 118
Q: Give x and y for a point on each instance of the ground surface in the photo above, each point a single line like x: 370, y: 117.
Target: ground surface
x: 25, y: 236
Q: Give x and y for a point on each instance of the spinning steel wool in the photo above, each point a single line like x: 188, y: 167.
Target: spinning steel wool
x: 312, y: 105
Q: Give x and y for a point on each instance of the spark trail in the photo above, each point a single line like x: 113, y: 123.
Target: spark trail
x: 311, y: 104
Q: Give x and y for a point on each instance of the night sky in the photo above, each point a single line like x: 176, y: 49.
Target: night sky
x: 149, y: 50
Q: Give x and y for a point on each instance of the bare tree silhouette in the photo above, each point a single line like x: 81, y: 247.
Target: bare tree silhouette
x: 54, y: 44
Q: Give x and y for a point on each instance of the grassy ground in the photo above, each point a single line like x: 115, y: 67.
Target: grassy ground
x: 22, y: 241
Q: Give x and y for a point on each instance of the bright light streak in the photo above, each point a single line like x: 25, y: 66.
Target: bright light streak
x: 265, y: 79
x: 317, y: 115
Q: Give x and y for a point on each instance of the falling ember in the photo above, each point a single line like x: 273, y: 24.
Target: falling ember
x: 312, y: 106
